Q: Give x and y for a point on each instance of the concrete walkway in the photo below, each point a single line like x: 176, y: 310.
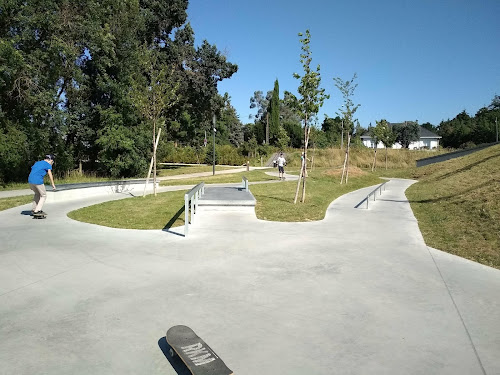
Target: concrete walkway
x: 20, y: 192
x: 355, y: 293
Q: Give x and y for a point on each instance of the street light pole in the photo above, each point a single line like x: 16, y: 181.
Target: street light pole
x: 213, y: 169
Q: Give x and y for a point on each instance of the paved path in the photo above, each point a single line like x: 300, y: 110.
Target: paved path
x: 356, y: 293
x: 20, y: 192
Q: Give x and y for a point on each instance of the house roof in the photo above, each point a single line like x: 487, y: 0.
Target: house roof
x: 424, y: 133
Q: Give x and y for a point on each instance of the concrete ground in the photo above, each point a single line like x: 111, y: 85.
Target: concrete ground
x: 356, y: 293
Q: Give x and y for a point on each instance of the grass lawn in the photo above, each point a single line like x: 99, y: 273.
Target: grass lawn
x: 161, y: 212
x: 6, y: 203
x: 457, y: 204
x: 173, y: 170
x: 274, y: 202
x: 257, y: 175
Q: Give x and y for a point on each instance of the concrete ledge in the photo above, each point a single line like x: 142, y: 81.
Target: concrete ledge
x: 227, y: 196
x: 69, y: 192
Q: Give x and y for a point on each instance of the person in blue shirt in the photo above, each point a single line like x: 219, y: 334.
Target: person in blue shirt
x: 35, y: 179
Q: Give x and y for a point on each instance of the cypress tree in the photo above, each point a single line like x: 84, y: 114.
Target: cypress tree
x: 274, y: 123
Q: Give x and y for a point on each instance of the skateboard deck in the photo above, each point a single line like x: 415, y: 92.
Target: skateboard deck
x: 199, y: 358
x: 39, y: 216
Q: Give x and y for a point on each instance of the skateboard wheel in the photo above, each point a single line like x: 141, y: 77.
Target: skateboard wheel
x: 172, y: 352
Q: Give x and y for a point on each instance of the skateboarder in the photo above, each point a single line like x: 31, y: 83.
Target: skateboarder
x: 281, y: 166
x: 35, y: 179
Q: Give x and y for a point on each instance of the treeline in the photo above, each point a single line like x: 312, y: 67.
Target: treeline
x: 70, y: 72
x: 464, y: 131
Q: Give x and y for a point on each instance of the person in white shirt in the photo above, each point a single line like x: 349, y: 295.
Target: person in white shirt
x: 281, y: 166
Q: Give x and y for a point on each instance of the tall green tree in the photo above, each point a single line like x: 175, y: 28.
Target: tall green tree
x: 406, y: 133
x: 66, y: 69
x: 274, y: 120
x: 332, y: 127
x: 154, y: 92
x: 347, y: 112
x: 384, y: 134
x: 309, y: 102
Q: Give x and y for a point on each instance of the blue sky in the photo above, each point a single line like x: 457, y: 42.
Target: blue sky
x: 424, y: 60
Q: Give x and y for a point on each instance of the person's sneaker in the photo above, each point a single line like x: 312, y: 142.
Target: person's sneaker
x: 39, y: 213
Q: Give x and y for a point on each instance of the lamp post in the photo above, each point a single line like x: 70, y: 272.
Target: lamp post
x: 213, y: 170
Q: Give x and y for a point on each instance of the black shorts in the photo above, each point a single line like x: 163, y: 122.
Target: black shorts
x: 281, y: 169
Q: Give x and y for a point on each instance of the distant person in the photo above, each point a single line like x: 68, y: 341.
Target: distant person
x: 281, y: 166
x: 35, y: 179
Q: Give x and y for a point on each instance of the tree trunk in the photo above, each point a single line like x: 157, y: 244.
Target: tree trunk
x: 303, y: 166
x: 348, y: 152
x: 345, y: 162
x: 154, y: 157
x: 374, y: 165
x: 151, y: 164
x: 298, y: 183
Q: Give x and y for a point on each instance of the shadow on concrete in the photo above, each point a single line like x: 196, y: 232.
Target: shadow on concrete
x: 26, y: 213
x: 176, y: 363
x: 171, y: 222
x: 392, y: 200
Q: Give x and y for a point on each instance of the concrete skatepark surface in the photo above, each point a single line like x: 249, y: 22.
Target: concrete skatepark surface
x: 356, y: 293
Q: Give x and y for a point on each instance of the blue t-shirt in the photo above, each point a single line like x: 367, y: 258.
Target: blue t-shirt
x: 38, y: 172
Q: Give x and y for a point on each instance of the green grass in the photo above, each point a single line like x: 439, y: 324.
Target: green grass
x: 257, y: 175
x: 457, y: 205
x: 275, y: 202
x: 174, y: 170
x: 161, y: 212
x: 6, y: 203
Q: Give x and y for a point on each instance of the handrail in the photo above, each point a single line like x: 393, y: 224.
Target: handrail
x: 245, y: 183
x: 374, y: 193
x: 195, y: 192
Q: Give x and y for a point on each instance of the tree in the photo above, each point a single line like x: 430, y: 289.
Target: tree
x: 294, y: 132
x: 66, y: 69
x: 406, y: 133
x: 274, y: 121
x: 382, y: 133
x: 347, y: 111
x: 154, y: 94
x: 429, y: 126
x: 332, y: 127
x: 261, y: 119
x: 283, y: 139
x: 230, y: 120
x: 308, y: 104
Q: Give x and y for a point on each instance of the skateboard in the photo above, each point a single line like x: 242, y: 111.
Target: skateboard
x: 199, y: 358
x: 39, y: 216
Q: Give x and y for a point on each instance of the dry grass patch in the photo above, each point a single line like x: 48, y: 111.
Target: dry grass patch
x: 353, y: 172
x: 457, y: 204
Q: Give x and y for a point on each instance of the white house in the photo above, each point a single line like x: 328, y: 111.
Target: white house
x: 428, y: 140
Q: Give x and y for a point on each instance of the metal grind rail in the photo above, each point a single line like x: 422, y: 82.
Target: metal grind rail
x: 245, y: 183
x: 191, y: 202
x: 374, y: 194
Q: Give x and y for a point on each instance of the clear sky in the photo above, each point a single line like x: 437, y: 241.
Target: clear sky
x: 424, y: 60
